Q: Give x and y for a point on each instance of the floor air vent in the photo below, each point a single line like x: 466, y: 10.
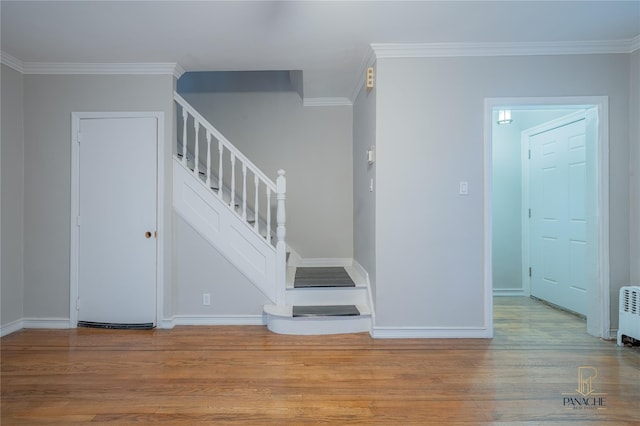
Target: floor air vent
x: 629, y: 321
x: 116, y: 326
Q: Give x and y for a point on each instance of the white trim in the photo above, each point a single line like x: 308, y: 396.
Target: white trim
x: 12, y: 62
x: 325, y: 261
x: 598, y: 323
x: 326, y: 102
x: 52, y: 323
x: 431, y: 332
x: 55, y: 68
x: 166, y: 323
x: 437, y: 50
x: 635, y: 44
x: 160, y: 199
x: 217, y: 320
x: 67, y: 68
x: 509, y: 292
x: 488, y: 222
x: 11, y: 327
x: 363, y: 273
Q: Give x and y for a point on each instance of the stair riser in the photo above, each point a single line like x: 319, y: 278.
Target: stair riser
x: 317, y: 326
x: 327, y: 296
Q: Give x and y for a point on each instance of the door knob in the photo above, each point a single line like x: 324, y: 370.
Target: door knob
x: 147, y: 234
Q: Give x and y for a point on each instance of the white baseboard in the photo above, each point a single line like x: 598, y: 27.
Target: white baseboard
x: 324, y: 261
x: 431, y: 333
x: 215, y: 320
x: 11, y: 327
x: 53, y: 323
x: 499, y: 292
x: 166, y: 323
x: 50, y: 323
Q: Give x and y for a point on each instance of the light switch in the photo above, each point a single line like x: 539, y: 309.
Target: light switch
x: 464, y: 187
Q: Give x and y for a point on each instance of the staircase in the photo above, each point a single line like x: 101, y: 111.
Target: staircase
x: 318, y: 301
x: 241, y: 212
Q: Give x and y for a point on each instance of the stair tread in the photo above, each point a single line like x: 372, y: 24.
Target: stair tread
x: 333, y: 276
x: 325, y: 310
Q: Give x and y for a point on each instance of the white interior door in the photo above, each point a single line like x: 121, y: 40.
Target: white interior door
x: 117, y: 209
x: 558, y: 224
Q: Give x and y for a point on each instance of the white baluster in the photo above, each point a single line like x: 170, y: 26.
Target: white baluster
x: 232, y: 203
x: 208, y: 159
x: 220, y: 153
x: 268, y: 236
x: 256, y: 209
x: 281, y: 245
x: 244, y: 191
x: 184, y: 135
x: 196, y: 126
x: 281, y: 195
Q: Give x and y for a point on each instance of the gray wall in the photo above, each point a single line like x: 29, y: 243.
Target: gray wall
x: 12, y: 155
x: 364, y: 201
x: 48, y: 103
x: 313, y: 145
x: 430, y: 136
x: 200, y: 268
x: 507, y: 206
x: 634, y: 164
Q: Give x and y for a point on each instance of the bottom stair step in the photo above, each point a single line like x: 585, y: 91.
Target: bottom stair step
x: 325, y: 311
x: 318, y: 319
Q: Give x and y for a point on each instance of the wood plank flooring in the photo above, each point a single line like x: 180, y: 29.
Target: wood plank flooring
x: 247, y: 375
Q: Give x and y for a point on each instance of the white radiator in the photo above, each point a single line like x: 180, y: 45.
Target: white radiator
x: 629, y: 322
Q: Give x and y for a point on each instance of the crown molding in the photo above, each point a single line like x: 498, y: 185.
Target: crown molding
x: 12, y: 62
x: 434, y: 50
x: 69, y: 68
x: 62, y: 68
x: 324, y: 102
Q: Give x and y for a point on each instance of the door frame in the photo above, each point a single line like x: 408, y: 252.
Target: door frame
x: 76, y: 118
x: 598, y: 302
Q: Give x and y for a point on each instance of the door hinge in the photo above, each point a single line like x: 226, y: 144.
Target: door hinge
x: 78, y: 221
x: 78, y: 304
x: 529, y: 213
x: 529, y: 154
x: 530, y: 271
x: 79, y: 137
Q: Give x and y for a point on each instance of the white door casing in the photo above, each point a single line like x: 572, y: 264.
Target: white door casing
x: 116, y: 193
x: 558, y: 212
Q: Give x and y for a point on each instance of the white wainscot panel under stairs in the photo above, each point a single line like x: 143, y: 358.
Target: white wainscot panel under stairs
x: 333, y: 299
x: 221, y: 226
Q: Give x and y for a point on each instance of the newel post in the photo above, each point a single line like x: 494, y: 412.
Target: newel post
x: 281, y: 231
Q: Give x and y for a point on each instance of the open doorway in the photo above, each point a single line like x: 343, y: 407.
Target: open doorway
x: 513, y: 237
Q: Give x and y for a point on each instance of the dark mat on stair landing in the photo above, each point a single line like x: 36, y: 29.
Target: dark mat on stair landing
x: 333, y: 276
x: 325, y: 311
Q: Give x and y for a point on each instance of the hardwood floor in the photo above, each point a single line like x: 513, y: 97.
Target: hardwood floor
x: 247, y: 375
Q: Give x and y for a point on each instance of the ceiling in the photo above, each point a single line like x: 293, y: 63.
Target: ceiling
x: 327, y: 40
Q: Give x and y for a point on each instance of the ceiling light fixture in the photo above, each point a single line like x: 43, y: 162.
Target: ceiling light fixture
x: 504, y: 116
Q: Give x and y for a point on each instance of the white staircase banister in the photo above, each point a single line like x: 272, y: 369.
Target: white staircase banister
x: 273, y: 281
x: 220, y: 137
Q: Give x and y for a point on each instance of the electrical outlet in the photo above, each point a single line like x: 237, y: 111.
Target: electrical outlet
x: 206, y: 299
